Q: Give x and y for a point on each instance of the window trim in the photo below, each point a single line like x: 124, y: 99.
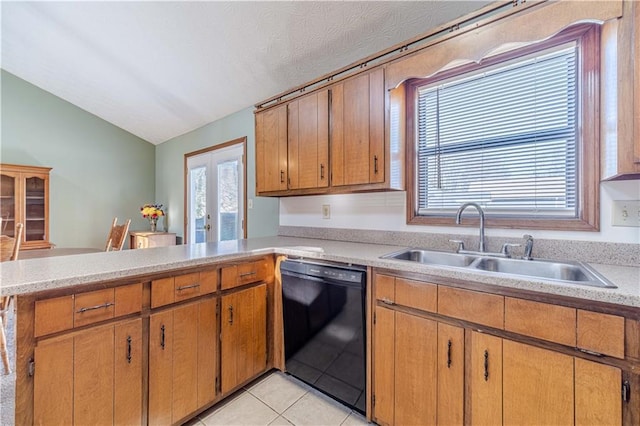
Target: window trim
x: 587, y: 37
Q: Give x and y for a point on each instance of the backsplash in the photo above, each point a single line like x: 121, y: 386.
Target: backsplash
x: 585, y: 251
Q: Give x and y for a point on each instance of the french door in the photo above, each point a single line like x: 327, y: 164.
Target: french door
x: 215, y: 193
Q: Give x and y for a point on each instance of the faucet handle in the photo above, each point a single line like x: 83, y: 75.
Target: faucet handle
x: 506, y: 249
x: 460, y: 244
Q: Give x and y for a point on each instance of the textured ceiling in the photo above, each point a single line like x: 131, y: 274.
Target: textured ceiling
x: 161, y: 69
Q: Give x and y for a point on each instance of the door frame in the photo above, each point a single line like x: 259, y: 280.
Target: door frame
x: 239, y: 141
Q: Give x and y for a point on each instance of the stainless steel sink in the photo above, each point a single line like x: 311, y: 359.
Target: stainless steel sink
x: 567, y: 272
x: 432, y: 257
x: 574, y: 272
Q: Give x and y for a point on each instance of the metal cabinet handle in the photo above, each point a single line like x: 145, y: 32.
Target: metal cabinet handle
x: 449, y: 354
x: 162, y: 336
x: 92, y: 308
x: 387, y: 301
x: 230, y: 314
x: 185, y: 287
x: 281, y: 176
x: 486, y: 366
x: 321, y: 171
x: 375, y: 164
x: 129, y: 349
x: 246, y: 274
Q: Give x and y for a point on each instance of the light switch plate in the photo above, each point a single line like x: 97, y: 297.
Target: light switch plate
x: 626, y: 213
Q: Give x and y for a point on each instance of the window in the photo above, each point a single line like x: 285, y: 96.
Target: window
x: 510, y: 135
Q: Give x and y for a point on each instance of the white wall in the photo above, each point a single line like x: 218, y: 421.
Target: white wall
x: 386, y: 211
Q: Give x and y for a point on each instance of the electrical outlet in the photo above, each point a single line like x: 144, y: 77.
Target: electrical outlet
x: 626, y: 213
x: 326, y: 211
x: 250, y: 203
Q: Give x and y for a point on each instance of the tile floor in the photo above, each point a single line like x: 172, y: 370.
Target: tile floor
x: 278, y: 399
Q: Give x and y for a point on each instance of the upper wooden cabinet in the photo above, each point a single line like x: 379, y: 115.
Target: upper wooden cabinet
x: 24, y: 198
x: 308, y: 148
x: 333, y: 140
x: 271, y: 150
x: 357, y: 130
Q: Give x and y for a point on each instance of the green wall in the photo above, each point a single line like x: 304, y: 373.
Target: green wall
x: 262, y: 218
x: 99, y: 170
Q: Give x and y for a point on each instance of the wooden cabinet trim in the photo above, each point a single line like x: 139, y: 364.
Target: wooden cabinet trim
x: 601, y: 333
x: 473, y: 306
x: 541, y: 320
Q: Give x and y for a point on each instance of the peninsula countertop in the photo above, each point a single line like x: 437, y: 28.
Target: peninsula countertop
x: 36, y: 275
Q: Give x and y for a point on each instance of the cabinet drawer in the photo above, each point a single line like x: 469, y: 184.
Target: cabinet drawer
x: 385, y: 288
x: 541, y: 320
x: 469, y: 305
x: 93, y: 306
x: 66, y: 312
x: 244, y: 273
x: 182, y: 287
x: 53, y: 315
x: 417, y: 294
x: 601, y: 333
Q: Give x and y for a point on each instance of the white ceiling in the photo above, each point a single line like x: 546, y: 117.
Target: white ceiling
x: 160, y: 69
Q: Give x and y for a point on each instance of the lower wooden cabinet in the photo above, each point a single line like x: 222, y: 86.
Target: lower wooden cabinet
x: 243, y: 336
x: 439, y: 368
x: 90, y: 377
x: 414, y: 358
x: 182, y: 361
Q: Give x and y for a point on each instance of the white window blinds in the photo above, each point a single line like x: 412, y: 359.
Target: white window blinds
x: 503, y: 137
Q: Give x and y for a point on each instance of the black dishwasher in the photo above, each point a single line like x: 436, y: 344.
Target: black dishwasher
x: 324, y: 327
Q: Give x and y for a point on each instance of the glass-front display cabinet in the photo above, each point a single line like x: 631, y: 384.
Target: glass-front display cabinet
x: 24, y: 198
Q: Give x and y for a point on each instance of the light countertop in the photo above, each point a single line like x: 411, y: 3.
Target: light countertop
x: 35, y: 275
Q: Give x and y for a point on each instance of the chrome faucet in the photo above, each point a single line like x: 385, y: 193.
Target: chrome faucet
x: 481, y: 247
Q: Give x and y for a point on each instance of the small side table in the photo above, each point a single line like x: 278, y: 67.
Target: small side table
x: 148, y: 239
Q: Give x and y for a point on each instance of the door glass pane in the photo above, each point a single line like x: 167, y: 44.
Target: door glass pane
x: 34, y: 214
x: 8, y: 204
x: 199, y: 203
x: 228, y: 215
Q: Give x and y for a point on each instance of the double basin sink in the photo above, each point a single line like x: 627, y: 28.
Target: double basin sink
x: 565, y: 272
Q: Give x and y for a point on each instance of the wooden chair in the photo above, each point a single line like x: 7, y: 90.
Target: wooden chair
x: 9, y: 250
x: 117, y: 235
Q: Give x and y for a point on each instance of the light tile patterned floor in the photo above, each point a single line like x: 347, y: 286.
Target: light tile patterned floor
x: 278, y: 399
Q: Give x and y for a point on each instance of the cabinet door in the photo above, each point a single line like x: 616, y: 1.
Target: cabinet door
x: 485, y: 387
x: 160, y: 367
x: 308, y: 147
x: 450, y: 375
x: 185, y: 361
x: 244, y: 333
x: 207, y: 351
x: 415, y: 377
x: 357, y: 130
x: 538, y: 386
x: 53, y: 382
x: 127, y: 404
x: 597, y: 389
x: 9, y: 205
x: 271, y: 150
x: 383, y: 364
x: 36, y: 200
x: 93, y: 352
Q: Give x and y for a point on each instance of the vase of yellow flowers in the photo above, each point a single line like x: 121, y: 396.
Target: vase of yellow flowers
x: 152, y: 212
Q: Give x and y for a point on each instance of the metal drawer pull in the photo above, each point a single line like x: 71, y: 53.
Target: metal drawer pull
x: 129, y: 349
x: 387, y: 301
x: 184, y: 287
x: 162, y: 336
x: 375, y: 164
x: 246, y: 274
x: 486, y: 366
x: 321, y: 171
x: 93, y: 308
x: 230, y: 314
x: 449, y: 354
